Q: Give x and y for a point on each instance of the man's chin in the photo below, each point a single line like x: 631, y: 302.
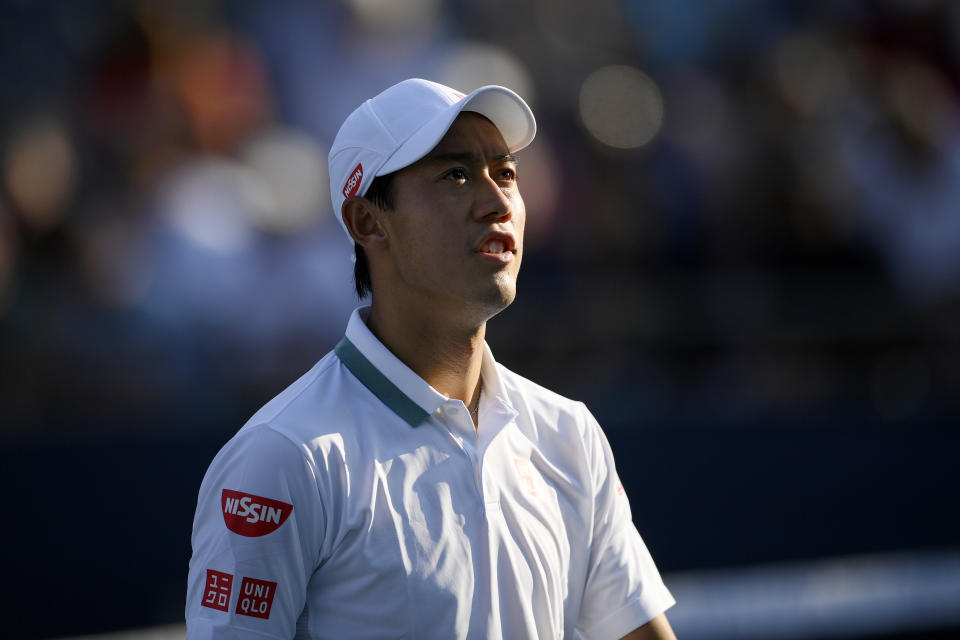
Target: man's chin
x: 500, y: 296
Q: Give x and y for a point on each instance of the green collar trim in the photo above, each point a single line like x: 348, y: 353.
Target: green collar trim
x: 379, y: 384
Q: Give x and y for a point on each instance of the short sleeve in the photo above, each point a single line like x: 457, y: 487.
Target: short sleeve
x: 624, y: 590
x: 256, y: 534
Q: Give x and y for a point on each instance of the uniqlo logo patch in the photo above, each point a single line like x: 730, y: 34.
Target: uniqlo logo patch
x: 216, y: 594
x: 256, y: 598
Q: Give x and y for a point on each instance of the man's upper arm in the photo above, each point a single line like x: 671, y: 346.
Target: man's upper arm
x: 657, y: 629
x: 624, y: 590
x: 256, y: 538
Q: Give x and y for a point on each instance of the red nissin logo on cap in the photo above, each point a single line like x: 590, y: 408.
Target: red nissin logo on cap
x: 253, y: 516
x: 353, y: 182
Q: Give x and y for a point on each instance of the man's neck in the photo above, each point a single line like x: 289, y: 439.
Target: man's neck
x: 446, y: 355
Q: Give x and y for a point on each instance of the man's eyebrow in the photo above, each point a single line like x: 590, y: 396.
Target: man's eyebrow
x: 468, y: 157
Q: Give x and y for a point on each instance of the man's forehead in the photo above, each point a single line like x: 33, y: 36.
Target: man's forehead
x: 471, y: 136
x: 467, y: 157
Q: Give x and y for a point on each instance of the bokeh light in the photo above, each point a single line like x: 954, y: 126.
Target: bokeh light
x: 391, y: 16
x: 294, y: 170
x: 621, y: 106
x: 213, y: 203
x: 40, y: 173
x: 811, y: 75
x: 222, y: 83
x: 474, y: 64
x: 923, y: 101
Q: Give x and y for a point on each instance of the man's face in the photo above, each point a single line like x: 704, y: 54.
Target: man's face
x: 455, y: 236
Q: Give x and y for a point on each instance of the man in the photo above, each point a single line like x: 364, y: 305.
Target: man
x: 408, y: 485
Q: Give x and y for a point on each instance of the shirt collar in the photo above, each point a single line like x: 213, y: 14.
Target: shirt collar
x: 394, y: 383
x: 494, y: 396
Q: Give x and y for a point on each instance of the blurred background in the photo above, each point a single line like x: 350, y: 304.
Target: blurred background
x: 743, y: 253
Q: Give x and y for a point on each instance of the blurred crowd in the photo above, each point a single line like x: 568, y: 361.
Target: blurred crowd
x: 739, y: 211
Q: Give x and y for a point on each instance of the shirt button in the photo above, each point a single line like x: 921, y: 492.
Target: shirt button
x: 451, y: 410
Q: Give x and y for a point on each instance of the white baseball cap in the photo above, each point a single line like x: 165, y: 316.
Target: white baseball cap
x: 404, y: 123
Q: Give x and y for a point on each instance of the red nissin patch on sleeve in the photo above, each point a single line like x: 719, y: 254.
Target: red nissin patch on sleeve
x: 256, y: 598
x: 252, y: 516
x: 216, y: 592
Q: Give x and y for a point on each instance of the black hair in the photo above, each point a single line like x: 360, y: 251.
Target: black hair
x: 379, y: 193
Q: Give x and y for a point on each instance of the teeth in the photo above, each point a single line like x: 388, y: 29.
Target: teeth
x: 494, y: 246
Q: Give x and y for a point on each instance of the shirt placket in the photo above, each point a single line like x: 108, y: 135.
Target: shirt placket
x: 474, y: 444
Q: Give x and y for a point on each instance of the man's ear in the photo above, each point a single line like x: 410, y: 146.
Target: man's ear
x: 362, y: 219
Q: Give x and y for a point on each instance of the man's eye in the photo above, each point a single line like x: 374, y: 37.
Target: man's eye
x: 458, y: 175
x: 509, y: 174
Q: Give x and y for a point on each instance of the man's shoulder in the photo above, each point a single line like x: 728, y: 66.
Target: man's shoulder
x: 297, y: 393
x: 310, y: 407
x: 525, y: 394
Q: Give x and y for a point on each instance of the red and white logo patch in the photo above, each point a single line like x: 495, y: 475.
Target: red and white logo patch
x: 217, y: 589
x: 248, y: 515
x: 352, y: 186
x: 256, y: 598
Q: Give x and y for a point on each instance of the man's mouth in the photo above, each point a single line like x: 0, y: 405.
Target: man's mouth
x: 497, y: 243
x: 493, y: 246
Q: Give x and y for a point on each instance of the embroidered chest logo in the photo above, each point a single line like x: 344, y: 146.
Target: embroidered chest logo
x: 526, y: 473
x: 248, y: 515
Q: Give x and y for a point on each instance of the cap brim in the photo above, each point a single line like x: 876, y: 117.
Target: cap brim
x: 504, y: 108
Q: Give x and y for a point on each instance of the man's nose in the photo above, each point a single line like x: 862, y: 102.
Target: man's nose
x: 493, y: 201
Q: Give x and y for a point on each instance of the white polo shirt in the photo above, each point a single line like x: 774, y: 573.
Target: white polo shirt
x: 361, y: 503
